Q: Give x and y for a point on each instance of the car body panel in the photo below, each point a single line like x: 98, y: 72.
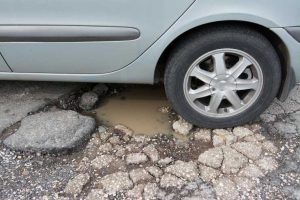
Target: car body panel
x: 3, y: 65
x: 151, y: 18
x: 275, y: 16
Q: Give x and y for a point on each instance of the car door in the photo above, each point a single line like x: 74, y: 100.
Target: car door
x: 82, y: 36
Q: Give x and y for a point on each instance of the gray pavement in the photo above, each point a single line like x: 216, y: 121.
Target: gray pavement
x: 17, y: 99
x: 256, y: 161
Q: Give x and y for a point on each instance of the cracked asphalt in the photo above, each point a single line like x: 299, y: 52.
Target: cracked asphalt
x: 257, y: 161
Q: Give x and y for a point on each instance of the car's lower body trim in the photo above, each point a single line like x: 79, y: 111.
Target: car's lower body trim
x: 65, y: 33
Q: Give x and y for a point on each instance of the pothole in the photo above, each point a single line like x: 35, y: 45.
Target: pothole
x: 144, y: 109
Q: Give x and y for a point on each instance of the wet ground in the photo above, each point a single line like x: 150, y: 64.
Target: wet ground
x: 145, y: 110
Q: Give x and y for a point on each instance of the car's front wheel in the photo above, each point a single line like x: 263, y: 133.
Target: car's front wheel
x: 222, y: 77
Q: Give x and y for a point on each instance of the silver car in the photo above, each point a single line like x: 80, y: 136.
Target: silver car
x: 222, y: 62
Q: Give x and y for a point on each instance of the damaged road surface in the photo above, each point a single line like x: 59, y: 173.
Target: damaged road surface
x: 113, y: 161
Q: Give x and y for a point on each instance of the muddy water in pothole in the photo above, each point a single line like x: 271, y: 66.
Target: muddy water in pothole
x: 141, y: 108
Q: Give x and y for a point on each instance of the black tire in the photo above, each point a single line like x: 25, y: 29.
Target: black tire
x: 199, y: 43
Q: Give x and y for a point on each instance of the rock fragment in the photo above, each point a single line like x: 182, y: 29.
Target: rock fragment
x: 116, y: 182
x: 184, y: 170
x: 139, y: 175
x: 168, y: 180
x: 88, y: 100
x: 208, y: 174
x: 241, y: 132
x: 203, y: 135
x: 165, y: 161
x: 212, y: 157
x: 223, y: 137
x: 102, y: 161
x: 252, y: 150
x: 151, y: 191
x: 136, y: 158
x: 97, y: 194
x: 233, y: 161
x: 151, y: 152
x: 182, y: 127
x: 75, y: 185
x: 154, y: 171
x: 251, y: 171
x: 51, y: 132
x: 226, y: 189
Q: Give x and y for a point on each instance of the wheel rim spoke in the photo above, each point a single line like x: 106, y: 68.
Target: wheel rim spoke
x: 231, y: 90
x: 201, y: 92
x: 215, y: 102
x: 251, y: 84
x: 202, y: 75
x: 219, y: 63
x: 239, y: 67
x: 234, y: 99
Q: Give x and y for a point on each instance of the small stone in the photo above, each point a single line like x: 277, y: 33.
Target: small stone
x: 139, y: 175
x: 269, y: 146
x: 116, y: 182
x: 136, y: 158
x: 96, y: 194
x: 226, y: 189
x: 203, y: 135
x: 105, y: 136
x: 212, y: 157
x: 250, y: 149
x: 101, y: 129
x: 184, y: 170
x: 114, y: 140
x: 207, y: 173
x: 241, y: 132
x: 136, y: 192
x: 88, y: 100
x: 251, y: 171
x: 233, y: 160
x: 155, y: 171
x: 151, y: 191
x: 165, y: 161
x: 267, y: 164
x: 100, y: 89
x: 182, y: 127
x: 223, y: 137
x: 105, y: 148
x: 75, y: 185
x: 244, y: 183
x: 151, y: 152
x: 124, y: 129
x: 168, y: 180
x: 102, y: 161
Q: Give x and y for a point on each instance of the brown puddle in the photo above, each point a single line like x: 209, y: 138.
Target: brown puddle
x: 139, y: 108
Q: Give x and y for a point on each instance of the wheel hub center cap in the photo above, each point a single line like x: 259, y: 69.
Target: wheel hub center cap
x: 222, y: 83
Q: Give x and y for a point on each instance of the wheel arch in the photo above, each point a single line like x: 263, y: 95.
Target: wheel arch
x: 288, y: 75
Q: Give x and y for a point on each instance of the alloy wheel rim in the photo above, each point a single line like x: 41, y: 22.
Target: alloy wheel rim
x: 223, y: 83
